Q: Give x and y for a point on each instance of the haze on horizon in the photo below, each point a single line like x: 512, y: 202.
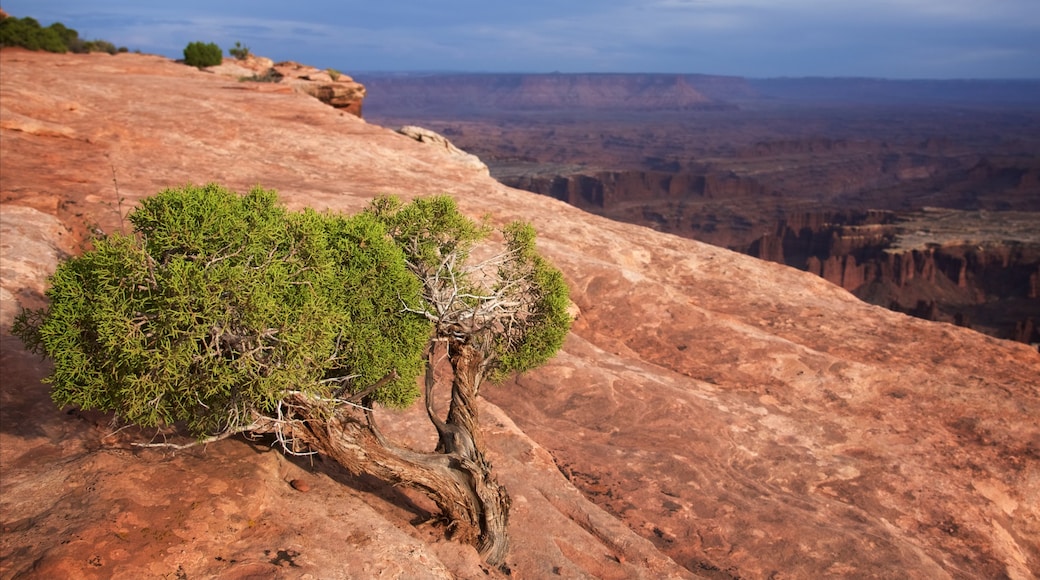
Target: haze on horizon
x: 898, y: 39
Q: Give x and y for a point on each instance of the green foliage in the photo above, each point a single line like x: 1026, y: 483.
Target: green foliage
x: 547, y: 298
x: 437, y: 240
x: 429, y: 229
x: 69, y: 36
x: 27, y: 32
x: 333, y: 73
x: 221, y: 304
x: 238, y: 51
x: 201, y: 55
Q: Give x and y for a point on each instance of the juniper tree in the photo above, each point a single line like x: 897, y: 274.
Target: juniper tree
x: 229, y: 314
x: 495, y: 317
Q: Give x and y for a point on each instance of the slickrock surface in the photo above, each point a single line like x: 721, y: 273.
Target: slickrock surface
x: 721, y: 416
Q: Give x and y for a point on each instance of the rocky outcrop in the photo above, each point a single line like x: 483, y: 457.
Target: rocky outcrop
x: 710, y: 415
x: 328, y: 86
x: 438, y: 141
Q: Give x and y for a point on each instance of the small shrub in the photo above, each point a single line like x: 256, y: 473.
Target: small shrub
x: 201, y: 55
x: 333, y: 73
x: 239, y: 52
x: 220, y: 306
x: 99, y: 46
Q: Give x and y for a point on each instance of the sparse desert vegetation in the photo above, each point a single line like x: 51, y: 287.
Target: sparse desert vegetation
x: 28, y: 33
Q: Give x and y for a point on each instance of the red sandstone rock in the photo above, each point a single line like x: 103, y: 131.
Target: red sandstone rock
x: 710, y: 414
x: 440, y: 142
x: 341, y: 92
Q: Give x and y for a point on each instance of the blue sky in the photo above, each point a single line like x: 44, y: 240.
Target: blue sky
x: 755, y: 38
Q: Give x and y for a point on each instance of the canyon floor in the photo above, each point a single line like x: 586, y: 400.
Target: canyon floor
x: 711, y: 414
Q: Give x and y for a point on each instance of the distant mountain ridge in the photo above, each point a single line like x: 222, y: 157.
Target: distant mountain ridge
x: 475, y: 93
x: 469, y: 94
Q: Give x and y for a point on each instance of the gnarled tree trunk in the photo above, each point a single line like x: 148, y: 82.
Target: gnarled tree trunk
x: 467, y: 362
x: 462, y: 487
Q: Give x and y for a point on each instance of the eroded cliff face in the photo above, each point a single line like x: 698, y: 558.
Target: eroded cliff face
x: 711, y: 414
x: 329, y: 86
x: 973, y: 269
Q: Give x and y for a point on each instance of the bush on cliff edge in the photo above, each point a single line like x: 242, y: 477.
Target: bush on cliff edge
x: 199, y: 54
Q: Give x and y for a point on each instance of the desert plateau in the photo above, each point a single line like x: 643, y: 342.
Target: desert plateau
x: 711, y: 414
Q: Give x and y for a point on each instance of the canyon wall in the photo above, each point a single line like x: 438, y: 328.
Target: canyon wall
x: 986, y: 283
x: 989, y: 284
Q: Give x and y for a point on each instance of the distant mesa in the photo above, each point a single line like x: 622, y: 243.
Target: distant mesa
x: 469, y: 95
x: 480, y: 93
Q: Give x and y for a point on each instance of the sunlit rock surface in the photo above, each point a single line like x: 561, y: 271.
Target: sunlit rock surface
x: 716, y: 415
